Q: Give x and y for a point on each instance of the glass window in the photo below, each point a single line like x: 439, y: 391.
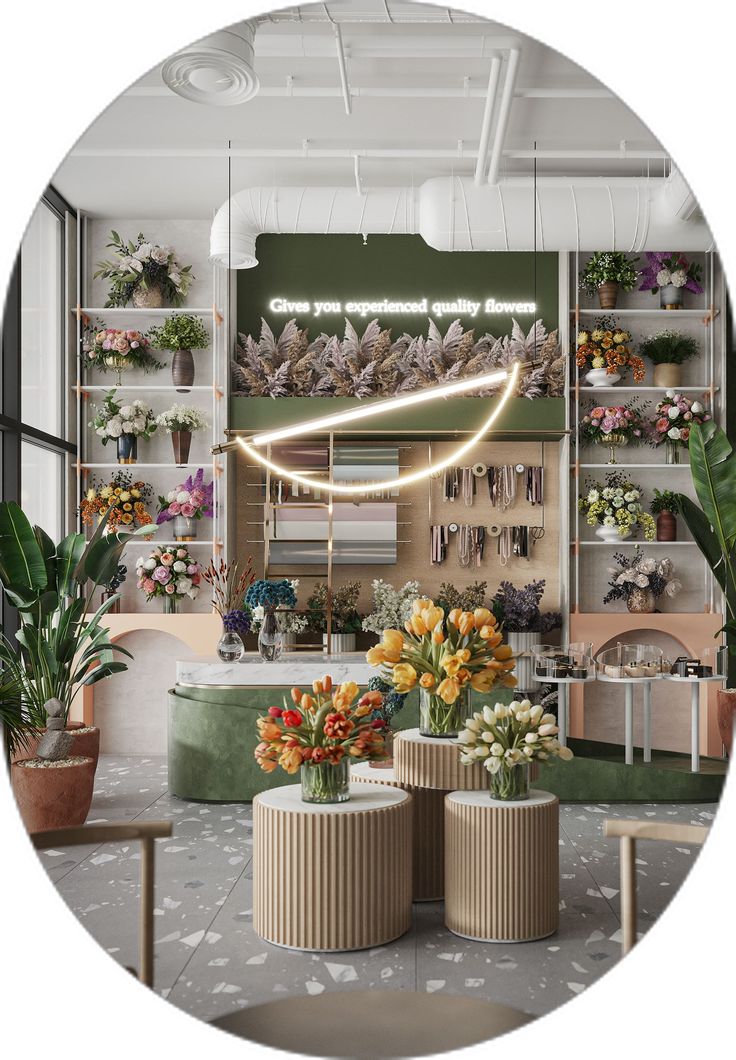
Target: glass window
x: 42, y: 475
x: 42, y: 353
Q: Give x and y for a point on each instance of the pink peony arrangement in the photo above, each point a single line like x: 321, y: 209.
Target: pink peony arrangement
x: 119, y: 348
x: 168, y: 571
x: 673, y: 418
x: 602, y: 421
x: 192, y: 499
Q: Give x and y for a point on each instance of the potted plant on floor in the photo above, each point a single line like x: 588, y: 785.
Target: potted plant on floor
x: 665, y: 506
x: 346, y: 621
x: 319, y: 734
x: 123, y: 423
x: 640, y: 580
x: 181, y: 421
x: 143, y: 273
x: 605, y: 272
x: 524, y: 624
x: 668, y: 350
x: 713, y: 525
x: 181, y: 335
x: 670, y: 273
x: 60, y: 648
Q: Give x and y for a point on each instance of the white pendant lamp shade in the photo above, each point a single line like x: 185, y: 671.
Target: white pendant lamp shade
x: 218, y: 70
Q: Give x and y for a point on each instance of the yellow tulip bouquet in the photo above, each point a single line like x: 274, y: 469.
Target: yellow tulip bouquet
x: 446, y: 657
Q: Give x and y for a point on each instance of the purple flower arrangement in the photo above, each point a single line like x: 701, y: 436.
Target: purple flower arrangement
x: 518, y: 609
x: 666, y: 268
x: 192, y: 499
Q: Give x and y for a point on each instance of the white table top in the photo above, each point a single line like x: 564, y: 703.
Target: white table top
x: 483, y: 799
x: 563, y: 680
x: 293, y: 668
x: 693, y: 680
x: 629, y: 680
x: 414, y: 736
x: 365, y: 769
x: 364, y: 798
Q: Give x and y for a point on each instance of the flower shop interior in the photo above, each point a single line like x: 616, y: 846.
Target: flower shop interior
x: 384, y: 528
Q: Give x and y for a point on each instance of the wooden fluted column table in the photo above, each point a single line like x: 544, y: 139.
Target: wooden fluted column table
x: 332, y: 876
x: 502, y: 871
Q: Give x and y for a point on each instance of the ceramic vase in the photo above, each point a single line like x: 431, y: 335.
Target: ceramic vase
x: 666, y: 527
x: 609, y: 534
x: 641, y: 602
x: 340, y: 643
x: 667, y: 375
x: 670, y: 297
x: 148, y: 297
x: 184, y: 529
x: 608, y: 294
x: 181, y: 441
x: 600, y: 377
x: 522, y: 645
x: 127, y: 445
x: 182, y: 371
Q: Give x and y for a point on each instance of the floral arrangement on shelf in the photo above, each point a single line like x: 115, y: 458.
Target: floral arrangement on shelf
x: 504, y: 738
x: 183, y: 332
x: 117, y: 349
x: 607, y: 346
x: 518, y: 610
x: 113, y: 419
x: 121, y: 499
x: 345, y: 618
x: 673, y: 419
x: 665, y: 501
x: 372, y: 364
x: 669, y: 347
x: 670, y: 268
x: 445, y: 656
x: 638, y: 573
x: 229, y: 585
x: 391, y: 607
x: 616, y: 503
x: 623, y: 421
x: 467, y: 599
x: 192, y: 498
x: 169, y: 571
x: 184, y: 418
x: 321, y: 729
x: 143, y: 265
x: 608, y: 267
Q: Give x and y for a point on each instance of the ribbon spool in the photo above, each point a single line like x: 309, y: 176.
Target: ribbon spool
x: 480, y: 470
x: 452, y: 528
x: 494, y: 531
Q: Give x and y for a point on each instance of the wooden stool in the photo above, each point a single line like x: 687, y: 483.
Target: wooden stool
x: 502, y: 866
x: 428, y: 819
x: 332, y: 877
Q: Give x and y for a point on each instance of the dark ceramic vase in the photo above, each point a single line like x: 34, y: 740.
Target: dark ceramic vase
x: 181, y: 440
x: 182, y: 371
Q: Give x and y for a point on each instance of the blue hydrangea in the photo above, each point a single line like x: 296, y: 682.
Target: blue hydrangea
x: 270, y: 594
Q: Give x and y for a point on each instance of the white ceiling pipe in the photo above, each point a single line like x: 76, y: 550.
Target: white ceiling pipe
x: 342, y: 65
x: 504, y: 111
x: 387, y: 92
x: 485, y: 129
x: 453, y: 214
x: 347, y: 152
x: 395, y: 14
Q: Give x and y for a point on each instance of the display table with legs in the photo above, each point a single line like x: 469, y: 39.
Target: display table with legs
x: 332, y: 876
x: 502, y: 866
x: 695, y: 683
x: 630, y: 683
x: 563, y: 711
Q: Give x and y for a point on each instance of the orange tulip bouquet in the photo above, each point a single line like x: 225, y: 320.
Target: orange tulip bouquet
x: 320, y: 733
x: 446, y: 656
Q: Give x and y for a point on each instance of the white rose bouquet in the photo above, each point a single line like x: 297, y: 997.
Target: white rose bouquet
x: 112, y: 420
x: 143, y: 265
x: 507, y: 737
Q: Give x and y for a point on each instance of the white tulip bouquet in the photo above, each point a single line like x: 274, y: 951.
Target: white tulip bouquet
x: 507, y: 737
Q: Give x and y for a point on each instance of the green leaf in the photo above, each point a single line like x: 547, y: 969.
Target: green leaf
x: 48, y: 551
x: 713, y: 470
x: 705, y: 539
x: 101, y: 672
x: 68, y: 555
x: 21, y: 560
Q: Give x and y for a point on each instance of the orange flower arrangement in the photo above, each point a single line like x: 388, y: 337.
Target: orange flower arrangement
x: 607, y: 346
x: 321, y: 727
x: 123, y: 499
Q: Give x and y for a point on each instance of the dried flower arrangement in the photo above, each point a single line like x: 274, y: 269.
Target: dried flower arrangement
x: 371, y: 364
x: 467, y: 598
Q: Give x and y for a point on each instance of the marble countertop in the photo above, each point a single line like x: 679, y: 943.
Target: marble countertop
x: 297, y: 668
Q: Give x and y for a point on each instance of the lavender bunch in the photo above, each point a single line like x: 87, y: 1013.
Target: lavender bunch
x: 518, y: 609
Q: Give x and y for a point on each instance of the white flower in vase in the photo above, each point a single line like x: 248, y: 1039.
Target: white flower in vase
x: 664, y: 278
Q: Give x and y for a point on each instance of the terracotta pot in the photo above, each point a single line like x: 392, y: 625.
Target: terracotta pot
x: 85, y: 743
x: 57, y: 796
x: 667, y: 375
x: 726, y: 712
x: 181, y: 440
x: 148, y: 297
x: 182, y: 371
x: 608, y: 294
x: 666, y: 527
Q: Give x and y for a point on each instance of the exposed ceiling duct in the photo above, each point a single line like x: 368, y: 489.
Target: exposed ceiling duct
x: 217, y: 70
x: 455, y: 214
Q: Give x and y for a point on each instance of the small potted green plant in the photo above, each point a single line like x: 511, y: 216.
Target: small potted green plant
x: 181, y: 335
x: 667, y: 350
x: 607, y: 271
x: 181, y: 421
x: 346, y: 621
x: 665, y: 506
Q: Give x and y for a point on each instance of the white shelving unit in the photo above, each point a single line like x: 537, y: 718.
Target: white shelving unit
x: 212, y: 367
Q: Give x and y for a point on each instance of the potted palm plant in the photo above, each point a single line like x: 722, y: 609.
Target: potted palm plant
x: 181, y: 335
x: 712, y: 523
x: 59, y: 649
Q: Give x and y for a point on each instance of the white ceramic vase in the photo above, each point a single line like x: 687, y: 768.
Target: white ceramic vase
x: 609, y: 534
x: 600, y: 377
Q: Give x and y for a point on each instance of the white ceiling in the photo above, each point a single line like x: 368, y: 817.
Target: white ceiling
x: 153, y: 154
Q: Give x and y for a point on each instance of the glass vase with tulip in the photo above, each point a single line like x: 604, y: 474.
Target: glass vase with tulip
x: 445, y: 656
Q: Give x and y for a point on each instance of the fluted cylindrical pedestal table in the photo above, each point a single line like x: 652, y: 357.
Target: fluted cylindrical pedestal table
x: 428, y: 842
x: 426, y: 762
x: 502, y: 866
x: 332, y: 876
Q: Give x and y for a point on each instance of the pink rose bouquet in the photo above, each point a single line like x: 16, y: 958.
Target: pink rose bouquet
x: 168, y: 571
x: 600, y: 422
x: 673, y: 418
x: 116, y: 349
x: 192, y: 499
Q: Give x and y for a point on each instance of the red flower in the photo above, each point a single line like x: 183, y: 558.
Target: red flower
x: 275, y: 712
x: 292, y: 719
x: 318, y: 755
x: 337, y: 726
x: 378, y: 723
x: 335, y: 754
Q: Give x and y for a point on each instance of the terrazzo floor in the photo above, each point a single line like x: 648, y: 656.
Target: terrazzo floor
x: 209, y: 960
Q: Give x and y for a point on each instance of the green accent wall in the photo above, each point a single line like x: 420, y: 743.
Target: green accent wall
x: 341, y: 268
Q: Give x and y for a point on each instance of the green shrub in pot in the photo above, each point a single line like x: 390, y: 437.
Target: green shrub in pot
x: 181, y: 334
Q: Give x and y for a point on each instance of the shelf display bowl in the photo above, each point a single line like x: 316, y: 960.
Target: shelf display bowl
x: 628, y: 662
x: 569, y: 662
x: 710, y: 664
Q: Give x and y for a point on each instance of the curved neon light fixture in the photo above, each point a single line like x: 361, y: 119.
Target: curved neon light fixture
x: 358, y: 413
